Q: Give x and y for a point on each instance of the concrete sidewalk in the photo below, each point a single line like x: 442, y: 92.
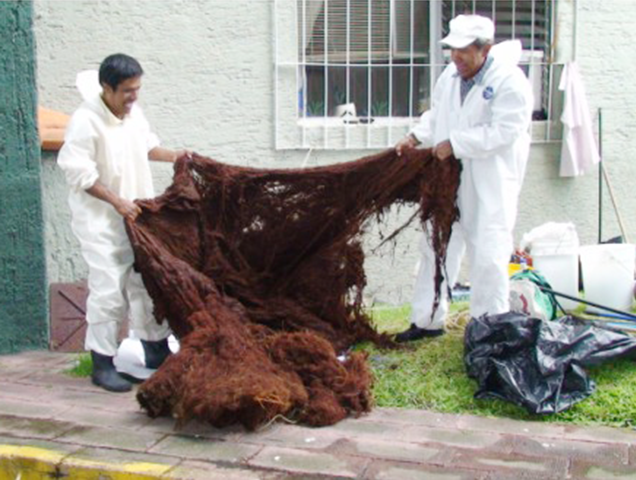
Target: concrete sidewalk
x: 56, y: 426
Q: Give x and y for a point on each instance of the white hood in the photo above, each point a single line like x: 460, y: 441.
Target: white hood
x: 507, y: 52
x: 87, y: 82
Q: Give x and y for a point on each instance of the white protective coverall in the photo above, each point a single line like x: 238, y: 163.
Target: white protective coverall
x: 489, y: 133
x: 100, y: 146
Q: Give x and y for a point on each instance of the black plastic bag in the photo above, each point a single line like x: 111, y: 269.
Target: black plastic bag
x: 539, y: 365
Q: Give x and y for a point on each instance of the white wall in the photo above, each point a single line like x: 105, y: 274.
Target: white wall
x: 209, y: 87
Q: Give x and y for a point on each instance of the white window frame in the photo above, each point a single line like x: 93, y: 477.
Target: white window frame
x: 294, y: 129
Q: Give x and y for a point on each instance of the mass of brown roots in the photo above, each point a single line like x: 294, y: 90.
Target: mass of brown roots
x: 259, y: 273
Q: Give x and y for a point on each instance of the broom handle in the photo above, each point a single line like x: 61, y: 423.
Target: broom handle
x: 618, y: 213
x: 587, y: 302
x: 600, y: 176
x: 604, y: 175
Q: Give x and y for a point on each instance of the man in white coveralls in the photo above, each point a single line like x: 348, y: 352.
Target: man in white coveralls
x: 480, y: 114
x: 105, y: 156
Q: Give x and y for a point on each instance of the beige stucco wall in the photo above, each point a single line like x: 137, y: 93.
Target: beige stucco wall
x: 209, y: 86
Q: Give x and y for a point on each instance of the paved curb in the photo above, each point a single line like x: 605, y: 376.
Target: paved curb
x: 25, y: 462
x: 19, y: 460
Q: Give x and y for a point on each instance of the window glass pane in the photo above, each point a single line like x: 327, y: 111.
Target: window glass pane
x: 401, y: 82
x: 315, y: 95
x: 412, y: 32
x: 359, y: 89
x: 380, y: 91
x: 420, y: 94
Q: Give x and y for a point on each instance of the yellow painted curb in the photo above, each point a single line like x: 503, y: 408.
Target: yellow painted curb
x: 19, y: 462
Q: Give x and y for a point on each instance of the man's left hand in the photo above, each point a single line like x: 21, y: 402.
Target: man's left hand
x: 443, y: 150
x: 161, y: 154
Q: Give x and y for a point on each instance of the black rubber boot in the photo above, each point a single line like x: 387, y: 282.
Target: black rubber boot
x: 155, y: 352
x: 416, y: 333
x: 105, y: 376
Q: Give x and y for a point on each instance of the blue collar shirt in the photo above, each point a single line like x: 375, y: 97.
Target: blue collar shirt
x: 466, y: 85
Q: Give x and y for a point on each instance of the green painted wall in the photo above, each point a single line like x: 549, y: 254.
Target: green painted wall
x: 23, y: 293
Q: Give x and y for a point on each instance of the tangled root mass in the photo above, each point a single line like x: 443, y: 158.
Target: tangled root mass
x: 259, y: 273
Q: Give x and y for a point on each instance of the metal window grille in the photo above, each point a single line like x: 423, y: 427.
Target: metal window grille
x: 358, y: 73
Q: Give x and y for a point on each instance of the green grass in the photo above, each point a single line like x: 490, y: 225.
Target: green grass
x: 431, y: 375
x: 83, y: 366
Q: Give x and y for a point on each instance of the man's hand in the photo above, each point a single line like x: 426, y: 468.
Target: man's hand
x: 406, y: 143
x: 443, y: 150
x: 180, y: 154
x: 161, y: 154
x: 127, y: 209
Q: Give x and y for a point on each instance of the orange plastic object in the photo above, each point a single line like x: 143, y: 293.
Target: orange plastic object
x: 51, y: 126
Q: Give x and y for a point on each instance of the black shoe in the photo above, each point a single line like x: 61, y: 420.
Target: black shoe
x: 105, y: 376
x: 155, y: 352
x: 415, y: 333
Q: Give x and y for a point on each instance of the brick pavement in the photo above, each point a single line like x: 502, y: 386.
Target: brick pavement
x: 56, y: 426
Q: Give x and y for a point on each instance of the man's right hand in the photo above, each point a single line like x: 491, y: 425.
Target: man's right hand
x: 406, y: 143
x: 127, y: 209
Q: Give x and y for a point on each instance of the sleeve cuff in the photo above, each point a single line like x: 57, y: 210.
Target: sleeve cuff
x: 85, y: 182
x: 152, y: 141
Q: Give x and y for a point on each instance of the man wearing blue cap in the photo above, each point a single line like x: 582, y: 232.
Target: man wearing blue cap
x: 480, y: 113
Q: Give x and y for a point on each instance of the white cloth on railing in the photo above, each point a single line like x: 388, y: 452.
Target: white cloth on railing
x: 579, y: 152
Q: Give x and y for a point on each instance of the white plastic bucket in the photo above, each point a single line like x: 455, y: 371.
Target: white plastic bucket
x: 561, y: 270
x: 555, y: 254
x: 608, y: 275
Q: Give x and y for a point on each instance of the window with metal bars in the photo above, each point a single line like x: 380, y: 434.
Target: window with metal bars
x: 382, y: 57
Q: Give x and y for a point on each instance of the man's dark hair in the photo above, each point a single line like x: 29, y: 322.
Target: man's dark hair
x: 118, y: 67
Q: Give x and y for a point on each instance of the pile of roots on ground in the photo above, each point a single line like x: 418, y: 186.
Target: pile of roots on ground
x: 259, y: 273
